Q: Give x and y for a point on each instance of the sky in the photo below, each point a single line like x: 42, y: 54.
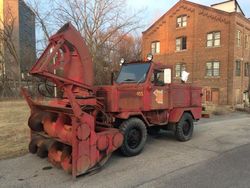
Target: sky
x: 154, y: 9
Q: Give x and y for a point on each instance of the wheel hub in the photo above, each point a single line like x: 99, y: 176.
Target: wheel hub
x: 186, y: 128
x: 134, y: 138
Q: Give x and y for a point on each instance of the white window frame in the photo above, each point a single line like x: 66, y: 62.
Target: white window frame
x: 238, y: 68
x: 215, y: 70
x: 155, y: 47
x: 238, y: 38
x: 214, y: 39
x: 181, y: 21
x: 246, y: 41
x: 179, y: 68
x: 179, y: 44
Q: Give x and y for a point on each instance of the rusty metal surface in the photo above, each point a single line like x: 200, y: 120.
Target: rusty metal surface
x: 156, y: 104
x: 76, y: 132
x: 72, y: 59
x: 77, y: 145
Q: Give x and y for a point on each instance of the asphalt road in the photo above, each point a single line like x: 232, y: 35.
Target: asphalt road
x: 230, y: 169
x: 217, y: 156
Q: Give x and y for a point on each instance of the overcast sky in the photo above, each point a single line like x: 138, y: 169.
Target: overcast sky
x: 156, y: 8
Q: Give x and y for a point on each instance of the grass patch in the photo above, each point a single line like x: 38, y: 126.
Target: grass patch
x: 14, y: 137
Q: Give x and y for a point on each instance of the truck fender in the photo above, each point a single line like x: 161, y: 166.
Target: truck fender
x: 176, y: 114
x: 127, y: 115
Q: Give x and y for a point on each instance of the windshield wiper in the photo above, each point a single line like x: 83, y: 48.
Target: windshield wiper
x: 129, y: 80
x: 126, y: 81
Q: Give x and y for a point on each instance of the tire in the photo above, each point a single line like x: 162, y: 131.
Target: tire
x: 135, y: 136
x: 153, y: 131
x: 185, y: 128
x: 33, y: 146
x: 42, y: 151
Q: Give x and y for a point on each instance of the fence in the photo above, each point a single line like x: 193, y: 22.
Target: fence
x: 10, y: 89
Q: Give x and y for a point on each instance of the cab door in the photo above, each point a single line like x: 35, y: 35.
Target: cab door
x: 160, y: 81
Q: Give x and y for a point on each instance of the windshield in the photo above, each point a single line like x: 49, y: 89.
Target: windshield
x: 133, y: 73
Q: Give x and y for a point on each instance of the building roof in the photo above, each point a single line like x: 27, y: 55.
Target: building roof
x: 237, y: 5
x: 194, y: 4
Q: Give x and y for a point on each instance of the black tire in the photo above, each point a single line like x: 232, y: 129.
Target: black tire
x: 33, y: 146
x: 153, y: 131
x: 135, y: 136
x: 42, y: 151
x: 185, y: 128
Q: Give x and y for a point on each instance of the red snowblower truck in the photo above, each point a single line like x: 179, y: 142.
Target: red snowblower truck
x: 79, y: 130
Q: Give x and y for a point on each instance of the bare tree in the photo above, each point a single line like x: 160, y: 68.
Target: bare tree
x: 9, y: 54
x: 129, y: 48
x: 44, y: 22
x: 100, y: 23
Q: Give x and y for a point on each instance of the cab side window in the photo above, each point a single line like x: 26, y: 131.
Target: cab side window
x: 158, y: 78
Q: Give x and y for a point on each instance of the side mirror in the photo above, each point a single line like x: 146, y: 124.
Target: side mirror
x: 167, y: 76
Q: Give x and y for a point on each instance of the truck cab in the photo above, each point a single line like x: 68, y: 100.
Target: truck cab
x: 145, y: 93
x: 145, y: 87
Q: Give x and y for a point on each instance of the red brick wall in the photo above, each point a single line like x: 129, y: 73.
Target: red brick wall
x: 202, y: 20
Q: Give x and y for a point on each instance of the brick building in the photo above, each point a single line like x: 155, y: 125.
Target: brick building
x: 211, y: 43
x: 23, y: 35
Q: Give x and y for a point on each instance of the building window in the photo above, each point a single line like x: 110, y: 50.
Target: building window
x: 246, y: 69
x: 181, y: 43
x: 181, y: 21
x: 246, y: 41
x: 238, y: 68
x: 213, y: 68
x: 179, y: 68
x: 213, y: 39
x: 155, y: 47
x: 238, y: 38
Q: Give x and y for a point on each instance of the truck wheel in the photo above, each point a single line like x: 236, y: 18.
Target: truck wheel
x: 33, y: 146
x: 135, y: 136
x: 42, y: 151
x: 185, y: 127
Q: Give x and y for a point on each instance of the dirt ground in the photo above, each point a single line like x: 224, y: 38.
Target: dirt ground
x: 14, y: 132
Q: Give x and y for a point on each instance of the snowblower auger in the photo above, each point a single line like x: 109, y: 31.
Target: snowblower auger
x: 73, y: 132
